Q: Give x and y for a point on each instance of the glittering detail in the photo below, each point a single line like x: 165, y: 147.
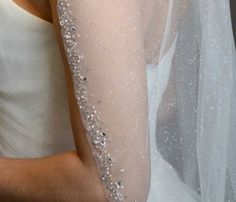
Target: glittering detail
x: 97, y: 136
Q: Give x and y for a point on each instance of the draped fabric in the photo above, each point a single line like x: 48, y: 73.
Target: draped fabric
x: 233, y: 16
x: 155, y: 86
x: 179, y: 129
x: 34, y: 115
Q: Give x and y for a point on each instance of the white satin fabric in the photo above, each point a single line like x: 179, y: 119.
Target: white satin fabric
x: 34, y: 118
x: 34, y: 110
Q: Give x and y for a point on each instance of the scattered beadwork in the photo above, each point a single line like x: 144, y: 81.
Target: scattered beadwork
x: 96, y: 134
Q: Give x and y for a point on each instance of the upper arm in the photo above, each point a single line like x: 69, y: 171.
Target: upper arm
x: 109, y: 36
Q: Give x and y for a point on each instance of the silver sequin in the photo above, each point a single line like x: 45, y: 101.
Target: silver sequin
x: 97, y: 136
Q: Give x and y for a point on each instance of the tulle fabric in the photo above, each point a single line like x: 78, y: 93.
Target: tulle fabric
x: 192, y: 152
x: 197, y: 137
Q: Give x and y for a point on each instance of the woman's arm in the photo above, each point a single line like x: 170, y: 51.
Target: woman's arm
x: 58, y: 178
x: 110, y: 85
x: 112, y: 45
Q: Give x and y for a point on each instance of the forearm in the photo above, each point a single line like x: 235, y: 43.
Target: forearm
x: 56, y: 178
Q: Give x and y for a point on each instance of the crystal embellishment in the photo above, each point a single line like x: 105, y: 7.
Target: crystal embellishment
x: 98, y: 138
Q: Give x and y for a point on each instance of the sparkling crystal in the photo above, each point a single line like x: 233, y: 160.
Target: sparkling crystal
x: 90, y: 119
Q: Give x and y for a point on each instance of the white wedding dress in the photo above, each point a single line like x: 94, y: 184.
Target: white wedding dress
x: 34, y: 109
x: 34, y: 113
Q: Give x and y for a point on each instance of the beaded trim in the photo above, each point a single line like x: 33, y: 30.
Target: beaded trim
x: 96, y: 135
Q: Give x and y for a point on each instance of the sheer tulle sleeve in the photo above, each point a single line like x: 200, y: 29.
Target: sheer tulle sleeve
x: 104, y: 49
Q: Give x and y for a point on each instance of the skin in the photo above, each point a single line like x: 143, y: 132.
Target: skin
x: 39, y: 8
x: 66, y: 177
x: 70, y: 176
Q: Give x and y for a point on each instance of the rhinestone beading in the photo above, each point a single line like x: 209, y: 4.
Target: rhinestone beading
x: 95, y: 131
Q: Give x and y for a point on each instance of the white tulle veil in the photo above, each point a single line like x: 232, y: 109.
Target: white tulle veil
x: 196, y: 120
x: 200, y: 140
